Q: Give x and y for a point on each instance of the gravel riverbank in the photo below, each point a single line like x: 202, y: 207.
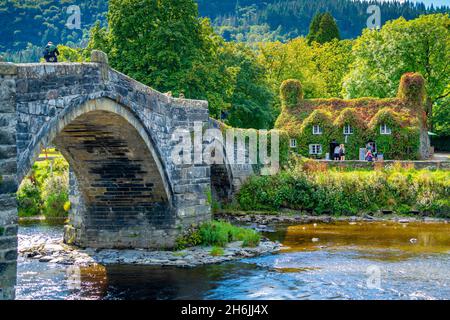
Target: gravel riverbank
x: 53, y: 250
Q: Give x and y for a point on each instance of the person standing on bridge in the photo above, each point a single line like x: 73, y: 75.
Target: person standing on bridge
x: 51, y: 52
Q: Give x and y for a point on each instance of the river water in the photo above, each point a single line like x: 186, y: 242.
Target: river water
x: 377, y: 260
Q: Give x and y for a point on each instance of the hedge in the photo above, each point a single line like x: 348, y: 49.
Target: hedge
x: 349, y: 193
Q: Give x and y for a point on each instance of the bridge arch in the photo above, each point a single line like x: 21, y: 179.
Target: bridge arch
x: 94, y: 114
x: 90, y: 114
x: 121, y: 196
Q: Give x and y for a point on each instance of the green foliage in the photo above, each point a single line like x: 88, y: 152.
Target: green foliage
x: 381, y: 57
x: 314, y: 27
x: 279, y: 20
x: 33, y: 23
x: 45, y: 190
x: 28, y: 23
x: 29, y: 201
x: 164, y: 45
x: 403, y: 115
x: 218, y: 233
x: 55, y: 195
x: 354, y: 141
x: 349, y: 193
x: 440, y: 116
x: 320, y: 67
x: 305, y: 135
x: 68, y: 54
x: 217, y: 251
x: 250, y: 98
x: 404, y: 141
x: 190, y: 238
x: 332, y: 60
x: 323, y: 29
x: 291, y: 92
x: 291, y: 60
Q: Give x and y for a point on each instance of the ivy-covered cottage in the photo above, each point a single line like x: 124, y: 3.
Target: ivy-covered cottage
x: 396, y: 127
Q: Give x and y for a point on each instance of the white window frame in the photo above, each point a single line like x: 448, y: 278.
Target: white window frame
x: 384, y: 129
x: 348, y: 129
x: 293, y: 143
x: 315, y: 149
x: 317, y: 129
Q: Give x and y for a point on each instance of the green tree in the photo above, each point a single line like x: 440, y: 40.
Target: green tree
x: 328, y: 29
x: 383, y: 56
x: 251, y: 99
x: 323, y: 29
x: 441, y: 115
x: 164, y: 44
x: 68, y: 54
x: 292, y: 60
x: 333, y: 61
x: 314, y: 27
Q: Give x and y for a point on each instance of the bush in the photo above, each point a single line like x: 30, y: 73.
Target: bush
x: 217, y: 251
x: 218, y: 233
x: 349, y: 192
x: 28, y: 199
x: 55, y: 195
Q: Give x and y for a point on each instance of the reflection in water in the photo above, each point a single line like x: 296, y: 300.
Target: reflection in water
x: 333, y: 267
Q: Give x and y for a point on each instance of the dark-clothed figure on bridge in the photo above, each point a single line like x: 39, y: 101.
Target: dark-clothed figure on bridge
x: 51, y: 52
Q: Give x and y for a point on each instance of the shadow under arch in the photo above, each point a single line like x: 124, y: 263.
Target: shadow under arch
x: 120, y: 192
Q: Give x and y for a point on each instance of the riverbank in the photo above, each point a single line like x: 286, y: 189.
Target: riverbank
x: 313, y: 189
x: 52, y: 250
x: 261, y: 219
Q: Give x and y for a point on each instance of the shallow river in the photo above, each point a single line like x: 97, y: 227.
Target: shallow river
x: 345, y: 260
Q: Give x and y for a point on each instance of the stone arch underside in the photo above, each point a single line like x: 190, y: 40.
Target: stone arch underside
x: 120, y: 194
x: 120, y: 200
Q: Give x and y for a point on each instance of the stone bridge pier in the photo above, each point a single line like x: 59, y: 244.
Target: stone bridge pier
x: 116, y: 134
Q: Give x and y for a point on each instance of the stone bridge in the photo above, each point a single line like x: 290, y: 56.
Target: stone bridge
x: 116, y: 134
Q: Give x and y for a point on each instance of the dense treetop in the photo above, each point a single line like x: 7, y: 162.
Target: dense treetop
x: 168, y: 46
x: 35, y: 22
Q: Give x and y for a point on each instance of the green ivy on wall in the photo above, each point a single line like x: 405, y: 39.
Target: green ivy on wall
x: 402, y: 143
x: 404, y: 116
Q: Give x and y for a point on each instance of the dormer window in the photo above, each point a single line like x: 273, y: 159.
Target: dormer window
x: 293, y: 143
x: 348, y: 129
x: 384, y: 129
x: 317, y: 129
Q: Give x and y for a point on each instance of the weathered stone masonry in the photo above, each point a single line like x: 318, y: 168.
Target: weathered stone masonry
x: 8, y: 181
x: 117, y: 136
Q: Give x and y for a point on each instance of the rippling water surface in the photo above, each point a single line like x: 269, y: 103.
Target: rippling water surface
x: 324, y: 261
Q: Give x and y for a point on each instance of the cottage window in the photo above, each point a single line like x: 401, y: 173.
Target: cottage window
x: 315, y: 149
x: 384, y: 129
x: 317, y: 129
x: 293, y: 143
x: 348, y: 129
